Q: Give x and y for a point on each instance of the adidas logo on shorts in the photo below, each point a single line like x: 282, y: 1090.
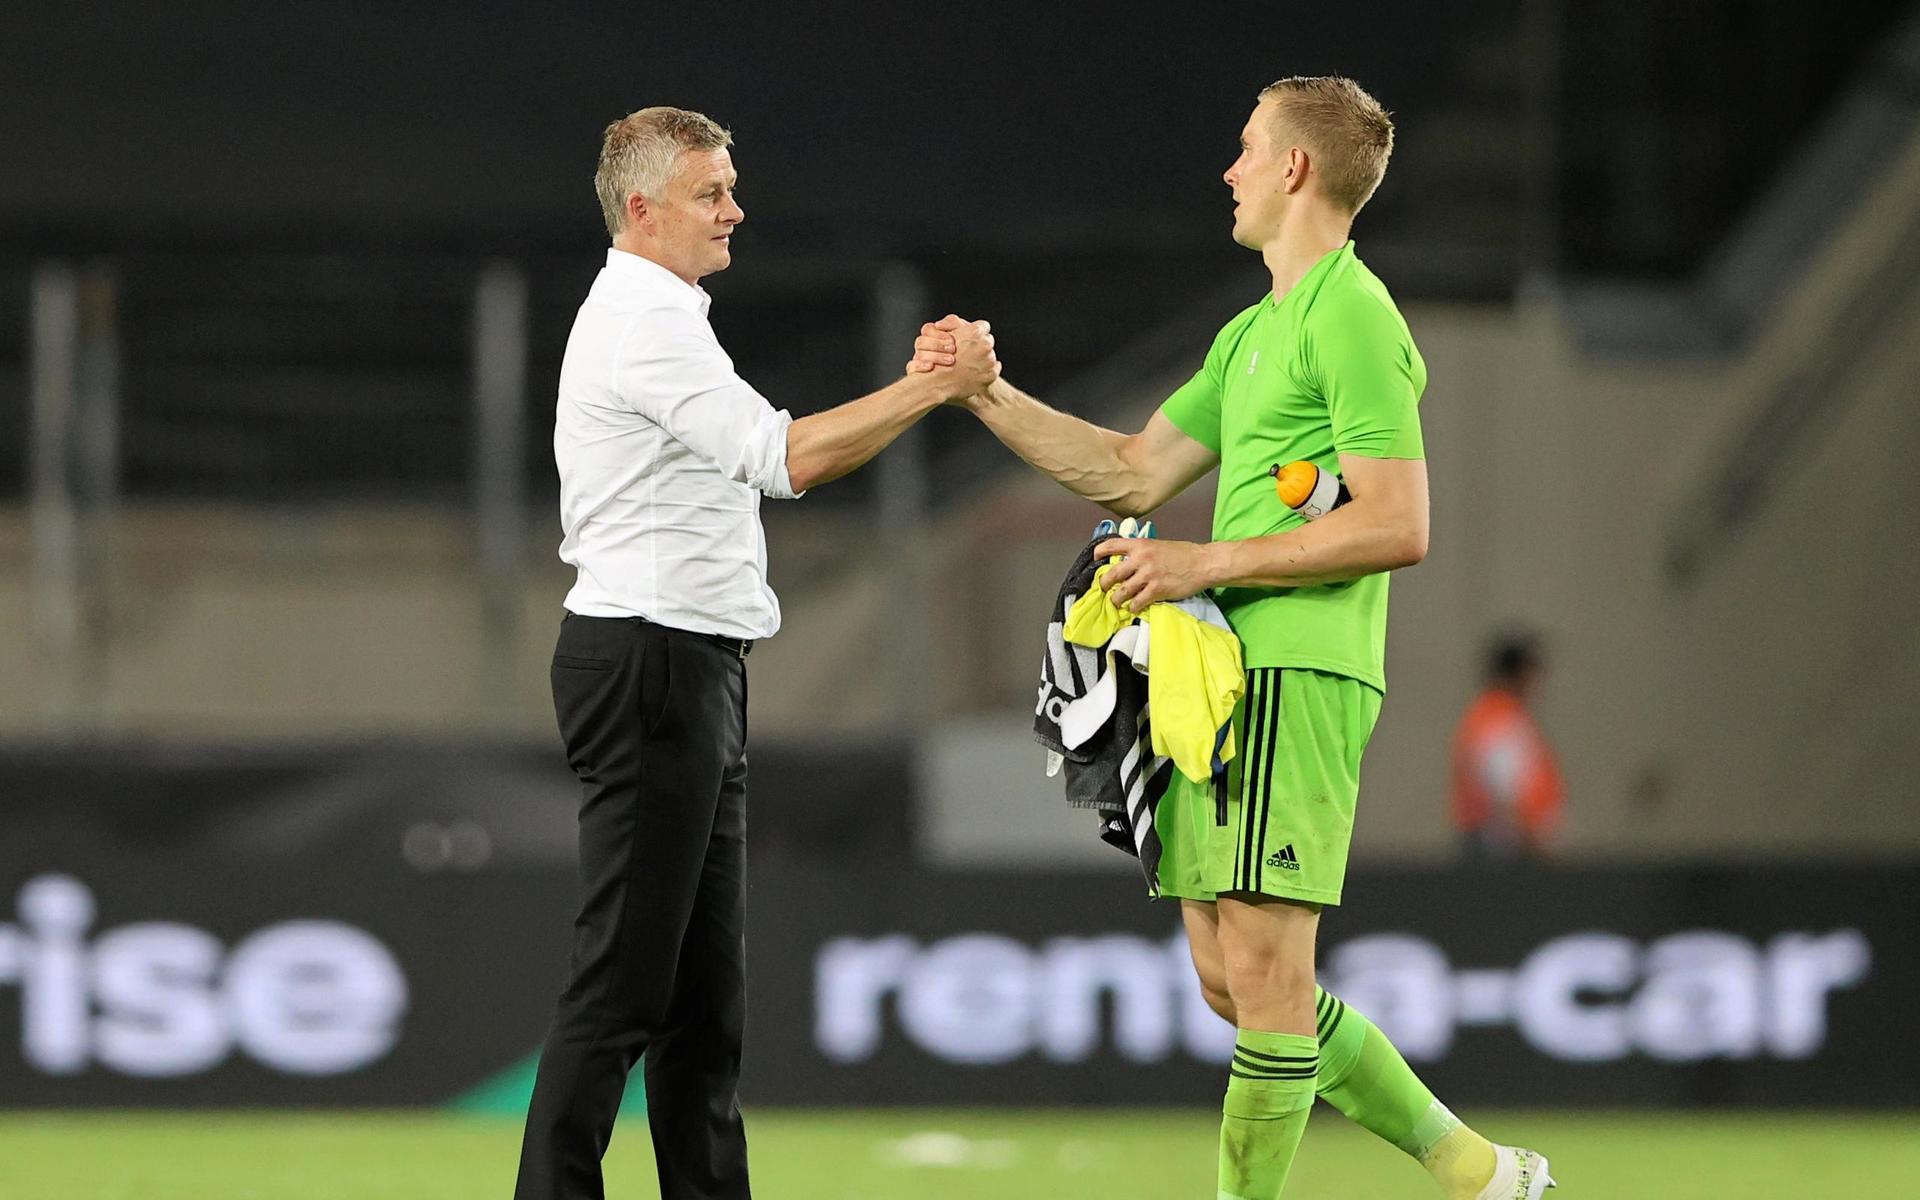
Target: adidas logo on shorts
x: 1284, y: 858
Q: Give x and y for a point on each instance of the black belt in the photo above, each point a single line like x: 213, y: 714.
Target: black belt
x: 738, y: 647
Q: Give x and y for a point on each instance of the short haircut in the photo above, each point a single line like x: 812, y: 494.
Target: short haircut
x: 1343, y: 130
x: 638, y: 153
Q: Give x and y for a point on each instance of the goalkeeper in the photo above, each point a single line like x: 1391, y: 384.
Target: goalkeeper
x: 1322, y: 369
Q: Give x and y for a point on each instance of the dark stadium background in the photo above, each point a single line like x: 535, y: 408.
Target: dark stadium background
x: 283, y: 291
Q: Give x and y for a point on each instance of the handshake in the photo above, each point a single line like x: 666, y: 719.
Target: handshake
x: 958, y: 353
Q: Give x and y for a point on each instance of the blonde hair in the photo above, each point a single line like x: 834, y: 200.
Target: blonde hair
x: 639, y: 151
x: 1344, y: 130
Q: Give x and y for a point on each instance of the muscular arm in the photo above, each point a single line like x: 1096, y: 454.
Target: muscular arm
x: 1382, y: 528
x: 1128, y: 475
x: 827, y: 445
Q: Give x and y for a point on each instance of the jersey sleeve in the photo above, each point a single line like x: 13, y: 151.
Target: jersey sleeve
x: 1194, y: 407
x: 1372, y: 379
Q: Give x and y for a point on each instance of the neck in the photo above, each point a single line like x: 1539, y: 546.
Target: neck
x: 1308, y: 234
x: 628, y: 243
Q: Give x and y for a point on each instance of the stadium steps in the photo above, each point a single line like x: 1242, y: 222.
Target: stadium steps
x: 1460, y: 183
x: 1800, y: 366
x: 1765, y: 252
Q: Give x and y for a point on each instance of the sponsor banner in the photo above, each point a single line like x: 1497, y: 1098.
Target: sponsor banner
x: 383, y: 926
x: 1535, y: 987
x: 392, y: 929
x: 191, y: 980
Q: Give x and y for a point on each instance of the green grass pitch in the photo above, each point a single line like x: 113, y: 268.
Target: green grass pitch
x: 934, y: 1155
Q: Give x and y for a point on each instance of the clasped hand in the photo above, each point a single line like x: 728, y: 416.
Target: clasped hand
x: 956, y: 349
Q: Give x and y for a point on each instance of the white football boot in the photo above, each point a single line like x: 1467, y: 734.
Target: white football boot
x: 1517, y: 1175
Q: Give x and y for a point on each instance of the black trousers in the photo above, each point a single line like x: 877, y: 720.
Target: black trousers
x: 655, y: 726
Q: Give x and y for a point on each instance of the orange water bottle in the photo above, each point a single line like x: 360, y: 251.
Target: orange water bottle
x: 1308, y: 490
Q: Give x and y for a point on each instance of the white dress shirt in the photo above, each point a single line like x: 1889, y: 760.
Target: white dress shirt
x: 664, y: 453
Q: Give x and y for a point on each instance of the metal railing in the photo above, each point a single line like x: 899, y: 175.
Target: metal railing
x: 78, y: 366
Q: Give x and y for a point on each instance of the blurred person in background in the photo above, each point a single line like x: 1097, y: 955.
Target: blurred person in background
x: 663, y: 454
x: 1323, y: 369
x: 1507, y: 792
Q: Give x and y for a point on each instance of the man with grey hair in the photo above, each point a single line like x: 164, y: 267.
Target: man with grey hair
x: 664, y: 453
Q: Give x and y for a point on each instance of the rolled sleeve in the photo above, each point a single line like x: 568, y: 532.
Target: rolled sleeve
x: 762, y: 464
x: 670, y: 369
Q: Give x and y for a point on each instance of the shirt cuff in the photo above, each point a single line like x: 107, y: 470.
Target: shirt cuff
x: 763, y: 460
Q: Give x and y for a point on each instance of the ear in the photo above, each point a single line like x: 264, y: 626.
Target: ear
x: 1298, y: 168
x: 639, y: 215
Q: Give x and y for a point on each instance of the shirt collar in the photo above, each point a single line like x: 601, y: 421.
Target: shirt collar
x: 656, y: 280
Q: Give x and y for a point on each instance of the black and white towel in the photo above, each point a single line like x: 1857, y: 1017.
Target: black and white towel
x: 1094, y: 722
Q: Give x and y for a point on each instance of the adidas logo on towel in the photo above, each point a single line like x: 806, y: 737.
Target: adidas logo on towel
x: 1284, y: 858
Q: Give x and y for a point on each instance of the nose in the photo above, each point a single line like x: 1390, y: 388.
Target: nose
x: 734, y: 214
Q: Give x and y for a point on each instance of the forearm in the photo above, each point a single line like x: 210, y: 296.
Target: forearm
x: 1081, y: 456
x: 825, y: 446
x: 1349, y: 542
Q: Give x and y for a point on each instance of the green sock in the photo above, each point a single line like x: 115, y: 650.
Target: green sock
x: 1269, y: 1094
x: 1363, y: 1076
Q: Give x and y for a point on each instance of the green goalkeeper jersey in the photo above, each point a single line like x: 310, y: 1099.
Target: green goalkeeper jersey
x: 1326, y: 370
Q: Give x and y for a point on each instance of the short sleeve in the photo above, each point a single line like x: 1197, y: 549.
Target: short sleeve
x: 1372, y: 379
x: 670, y: 369
x: 1194, y: 407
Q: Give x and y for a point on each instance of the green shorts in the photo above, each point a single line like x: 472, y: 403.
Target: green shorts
x: 1287, y: 818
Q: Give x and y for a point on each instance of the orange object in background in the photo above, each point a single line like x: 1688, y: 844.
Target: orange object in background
x: 1507, y: 790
